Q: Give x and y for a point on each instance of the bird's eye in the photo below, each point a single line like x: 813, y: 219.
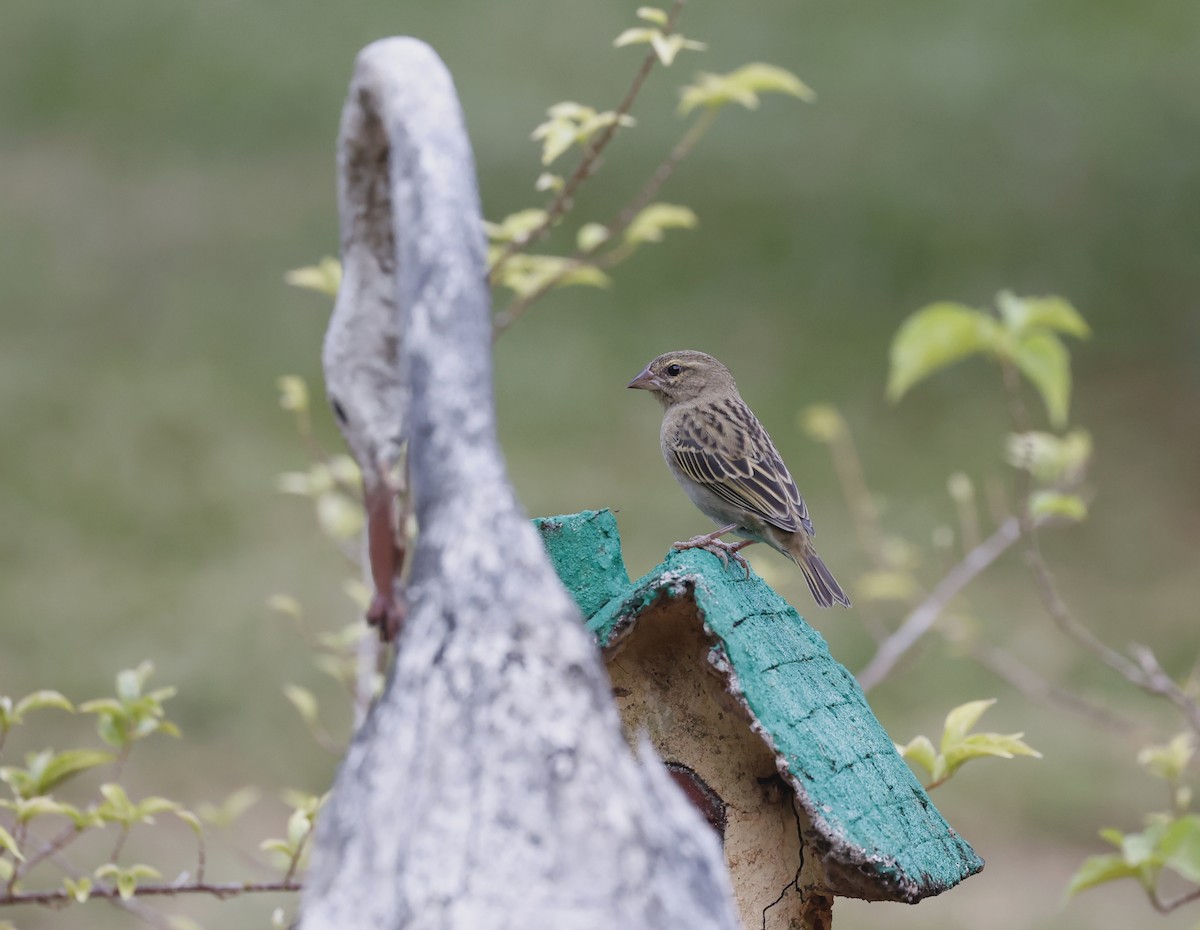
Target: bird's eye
x: 674, y: 370
x: 339, y: 412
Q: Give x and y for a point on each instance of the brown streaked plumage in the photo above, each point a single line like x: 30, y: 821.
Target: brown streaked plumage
x: 720, y: 454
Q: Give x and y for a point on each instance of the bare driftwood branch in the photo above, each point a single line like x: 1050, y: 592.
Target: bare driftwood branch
x: 490, y: 786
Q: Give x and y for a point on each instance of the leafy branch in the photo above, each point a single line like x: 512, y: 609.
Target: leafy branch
x: 134, y: 713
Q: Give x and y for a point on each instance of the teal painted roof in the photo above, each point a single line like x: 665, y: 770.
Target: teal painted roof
x: 884, y: 837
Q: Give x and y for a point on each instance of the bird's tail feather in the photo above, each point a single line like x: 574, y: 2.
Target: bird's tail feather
x: 821, y: 582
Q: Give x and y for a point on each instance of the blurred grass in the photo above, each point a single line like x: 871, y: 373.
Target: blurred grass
x: 162, y: 165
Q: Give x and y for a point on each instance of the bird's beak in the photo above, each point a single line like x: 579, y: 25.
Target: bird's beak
x: 645, y: 381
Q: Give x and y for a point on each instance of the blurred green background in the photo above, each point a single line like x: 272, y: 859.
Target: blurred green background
x: 162, y: 165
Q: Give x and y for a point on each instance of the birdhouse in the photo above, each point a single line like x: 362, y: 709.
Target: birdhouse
x: 770, y: 737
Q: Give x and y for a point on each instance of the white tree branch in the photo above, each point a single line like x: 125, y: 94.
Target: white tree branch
x: 491, y: 785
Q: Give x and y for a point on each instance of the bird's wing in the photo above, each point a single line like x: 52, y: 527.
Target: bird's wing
x: 723, y: 447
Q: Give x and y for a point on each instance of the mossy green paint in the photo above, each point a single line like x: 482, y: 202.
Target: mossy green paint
x: 860, y: 795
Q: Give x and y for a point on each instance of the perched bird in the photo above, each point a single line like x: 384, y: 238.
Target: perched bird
x: 726, y: 463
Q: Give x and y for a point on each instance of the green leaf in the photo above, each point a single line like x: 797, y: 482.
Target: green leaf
x: 961, y: 719
x: 1060, y: 460
x: 80, y: 889
x: 298, y: 827
x: 937, y: 336
x: 919, y: 750
x: 548, y: 182
x: 1025, y: 313
x: 742, y: 86
x: 651, y: 221
x: 1055, y: 504
x: 591, y: 236
x: 515, y: 227
x: 668, y: 47
x: 1096, y: 870
x: 636, y: 35
x: 40, y: 700
x: 338, y: 516
x: 285, y: 604
x: 231, y: 808
x: 131, y: 681
x: 276, y: 846
x: 126, y: 885
x: 304, y: 702
x: 1171, y: 759
x: 325, y: 276
x: 293, y: 393
x: 652, y: 14
x: 1044, y: 360
x: 65, y: 764
x: 1145, y: 849
x: 6, y: 873
x: 1181, y: 847
x: 557, y: 137
x: 29, y: 808
x: 528, y: 274
x: 9, y: 844
x: 979, y: 745
x: 822, y: 423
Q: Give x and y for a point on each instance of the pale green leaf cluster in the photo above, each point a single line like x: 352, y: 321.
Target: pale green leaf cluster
x: 516, y: 227
x: 1170, y: 760
x: 46, y: 770
x: 651, y: 222
x: 667, y: 46
x: 1025, y: 332
x: 959, y: 745
x: 126, y: 878
x: 229, y: 810
x: 1061, y: 461
x: 569, y: 123
x: 742, y: 86
x: 1168, y: 843
x: 329, y: 484
x: 526, y: 275
x: 291, y: 848
x: 13, y: 713
x: 325, y: 277
x: 134, y: 713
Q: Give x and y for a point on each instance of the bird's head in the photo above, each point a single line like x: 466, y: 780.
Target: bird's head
x: 677, y: 377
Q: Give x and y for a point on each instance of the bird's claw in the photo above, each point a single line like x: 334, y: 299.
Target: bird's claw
x: 387, y: 614
x: 722, y: 550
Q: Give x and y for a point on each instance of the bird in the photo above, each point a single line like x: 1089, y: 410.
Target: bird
x: 726, y: 463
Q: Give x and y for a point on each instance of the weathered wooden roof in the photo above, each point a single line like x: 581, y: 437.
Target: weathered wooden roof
x: 880, y: 835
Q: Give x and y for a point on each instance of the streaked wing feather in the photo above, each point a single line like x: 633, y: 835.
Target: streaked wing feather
x: 727, y: 450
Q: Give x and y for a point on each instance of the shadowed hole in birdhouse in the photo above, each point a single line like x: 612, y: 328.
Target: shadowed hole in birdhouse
x: 707, y: 801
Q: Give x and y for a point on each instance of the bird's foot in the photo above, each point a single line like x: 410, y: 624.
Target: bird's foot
x: 387, y: 613
x: 722, y: 550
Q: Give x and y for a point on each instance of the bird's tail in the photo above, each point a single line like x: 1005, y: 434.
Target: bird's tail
x: 821, y: 582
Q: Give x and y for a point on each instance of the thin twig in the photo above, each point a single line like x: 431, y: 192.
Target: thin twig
x: 1143, y: 670
x: 49, y: 849
x: 582, y: 257
x: 101, y: 890
x: 1024, y: 679
x: 1165, y: 907
x: 216, y: 889
x: 923, y: 617
x: 295, y: 860
x: 566, y: 196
